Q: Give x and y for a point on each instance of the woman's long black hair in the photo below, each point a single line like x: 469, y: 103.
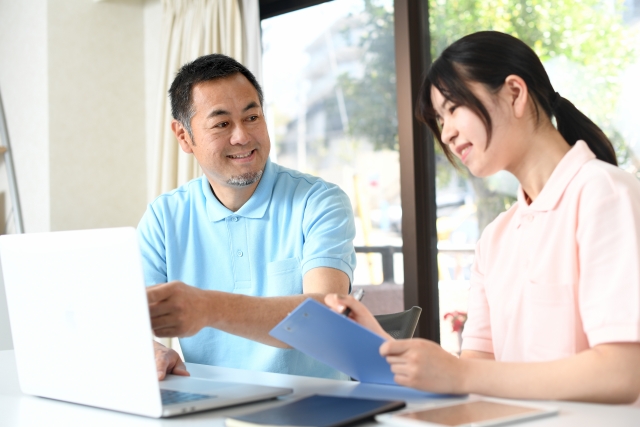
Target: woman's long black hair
x: 489, y: 57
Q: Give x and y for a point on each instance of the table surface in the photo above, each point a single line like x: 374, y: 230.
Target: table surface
x: 17, y: 409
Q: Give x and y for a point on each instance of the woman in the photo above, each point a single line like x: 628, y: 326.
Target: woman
x: 554, y: 304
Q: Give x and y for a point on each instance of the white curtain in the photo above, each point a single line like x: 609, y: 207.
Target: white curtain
x: 252, y: 46
x: 190, y: 28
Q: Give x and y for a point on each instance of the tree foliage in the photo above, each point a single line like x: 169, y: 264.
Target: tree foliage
x: 371, y: 99
x: 588, y: 35
x: 585, y: 38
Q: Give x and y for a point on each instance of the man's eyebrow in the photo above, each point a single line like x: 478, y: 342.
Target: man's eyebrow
x: 251, y: 105
x: 221, y: 112
x: 215, y: 113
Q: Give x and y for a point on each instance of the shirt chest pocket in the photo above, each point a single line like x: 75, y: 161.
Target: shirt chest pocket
x: 284, y: 277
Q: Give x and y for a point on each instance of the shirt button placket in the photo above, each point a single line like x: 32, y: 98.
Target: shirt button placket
x: 239, y: 251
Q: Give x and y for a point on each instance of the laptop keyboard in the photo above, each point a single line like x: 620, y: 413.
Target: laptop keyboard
x: 170, y: 397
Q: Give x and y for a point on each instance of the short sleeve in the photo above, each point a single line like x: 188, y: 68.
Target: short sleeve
x: 152, y: 248
x: 609, y: 252
x: 329, y: 230
x: 476, y: 335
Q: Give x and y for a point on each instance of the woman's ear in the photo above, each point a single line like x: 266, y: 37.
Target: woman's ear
x: 517, y: 93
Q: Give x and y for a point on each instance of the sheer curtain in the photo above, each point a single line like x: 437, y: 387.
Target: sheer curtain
x: 252, y: 37
x: 190, y: 28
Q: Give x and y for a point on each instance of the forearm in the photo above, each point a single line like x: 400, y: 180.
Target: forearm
x: 607, y: 374
x: 251, y: 317
x: 177, y: 309
x: 474, y: 354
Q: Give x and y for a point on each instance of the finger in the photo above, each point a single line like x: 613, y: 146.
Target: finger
x: 391, y: 348
x: 402, y: 380
x: 334, y: 303
x: 181, y: 371
x: 167, y: 333
x: 180, y: 368
x: 357, y: 308
x: 162, y: 364
x: 396, y: 360
x: 158, y: 293
x: 160, y: 309
x: 162, y: 322
x: 400, y: 368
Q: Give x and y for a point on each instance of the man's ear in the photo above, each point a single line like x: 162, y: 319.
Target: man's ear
x: 182, y: 135
x: 518, y: 94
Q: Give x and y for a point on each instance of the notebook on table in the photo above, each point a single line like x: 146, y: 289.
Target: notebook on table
x: 316, y: 411
x: 81, y: 329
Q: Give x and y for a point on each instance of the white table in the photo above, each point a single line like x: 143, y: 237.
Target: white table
x: 17, y: 409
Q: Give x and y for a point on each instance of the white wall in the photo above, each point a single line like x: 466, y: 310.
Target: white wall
x: 72, y: 78
x: 97, y: 118
x: 152, y: 63
x: 23, y: 84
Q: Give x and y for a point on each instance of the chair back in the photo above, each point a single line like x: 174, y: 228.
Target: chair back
x: 400, y: 325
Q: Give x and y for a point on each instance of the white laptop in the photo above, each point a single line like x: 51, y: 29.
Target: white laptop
x: 81, y: 328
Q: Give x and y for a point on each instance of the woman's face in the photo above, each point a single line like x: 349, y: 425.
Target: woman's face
x: 466, y: 136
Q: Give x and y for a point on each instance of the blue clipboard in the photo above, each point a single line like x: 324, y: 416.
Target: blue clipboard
x: 335, y: 340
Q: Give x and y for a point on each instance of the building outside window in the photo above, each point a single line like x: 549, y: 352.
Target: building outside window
x: 329, y: 77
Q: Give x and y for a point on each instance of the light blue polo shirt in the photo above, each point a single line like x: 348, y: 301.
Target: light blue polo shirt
x: 292, y: 223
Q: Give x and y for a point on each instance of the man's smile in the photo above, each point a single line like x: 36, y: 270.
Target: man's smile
x: 241, y: 155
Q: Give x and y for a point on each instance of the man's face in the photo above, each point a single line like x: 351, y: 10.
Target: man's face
x: 230, y: 139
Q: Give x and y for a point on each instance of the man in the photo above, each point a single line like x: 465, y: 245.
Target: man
x: 229, y: 254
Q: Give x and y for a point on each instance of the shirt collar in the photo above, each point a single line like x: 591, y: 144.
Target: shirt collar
x: 560, y: 178
x: 255, y: 207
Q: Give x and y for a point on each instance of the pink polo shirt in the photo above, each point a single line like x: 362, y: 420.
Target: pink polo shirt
x: 561, y: 275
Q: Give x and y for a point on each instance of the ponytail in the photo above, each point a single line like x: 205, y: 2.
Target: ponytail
x: 573, y: 125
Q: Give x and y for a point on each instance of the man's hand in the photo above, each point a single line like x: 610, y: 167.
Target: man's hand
x: 359, y: 313
x: 168, y: 361
x: 177, y: 309
x: 180, y: 310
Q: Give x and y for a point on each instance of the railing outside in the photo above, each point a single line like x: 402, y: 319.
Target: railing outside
x: 387, y: 255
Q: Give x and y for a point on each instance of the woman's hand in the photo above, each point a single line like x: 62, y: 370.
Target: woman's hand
x: 424, y: 365
x: 359, y: 313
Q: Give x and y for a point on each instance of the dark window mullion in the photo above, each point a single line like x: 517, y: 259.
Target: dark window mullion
x: 417, y: 168
x: 271, y: 8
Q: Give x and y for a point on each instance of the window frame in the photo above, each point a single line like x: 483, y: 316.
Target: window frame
x: 417, y: 157
x: 271, y: 8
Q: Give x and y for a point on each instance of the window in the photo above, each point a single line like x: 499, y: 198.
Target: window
x: 571, y: 38
x: 330, y: 100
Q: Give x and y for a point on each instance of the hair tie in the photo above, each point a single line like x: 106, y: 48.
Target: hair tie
x: 555, y: 101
